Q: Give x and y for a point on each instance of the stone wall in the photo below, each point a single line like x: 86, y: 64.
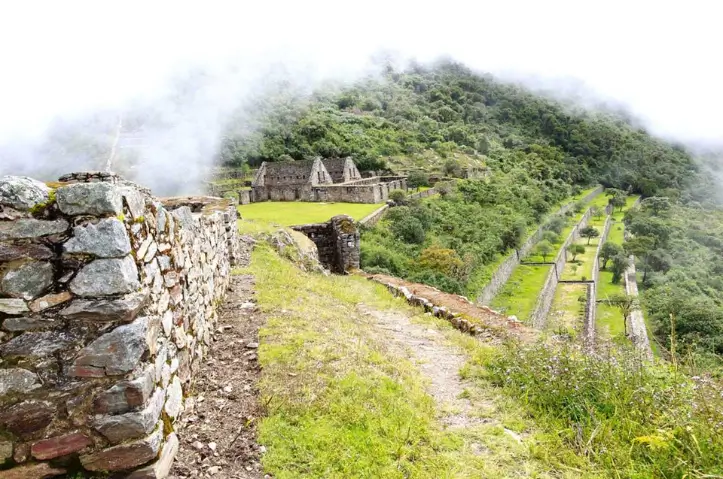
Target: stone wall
x: 337, y: 242
x: 538, y: 317
x: 373, y: 218
x: 507, y: 267
x: 107, y: 303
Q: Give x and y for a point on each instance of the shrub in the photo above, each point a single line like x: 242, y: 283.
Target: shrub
x: 409, y: 229
x: 556, y: 224
x: 417, y: 179
x: 398, y: 196
x: 551, y: 237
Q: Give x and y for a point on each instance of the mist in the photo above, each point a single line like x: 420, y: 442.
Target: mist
x: 173, y: 75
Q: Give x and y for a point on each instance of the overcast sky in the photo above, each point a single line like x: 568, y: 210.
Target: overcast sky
x: 660, y: 58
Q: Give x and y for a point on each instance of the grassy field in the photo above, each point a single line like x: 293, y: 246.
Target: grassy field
x: 520, y: 293
x: 288, y: 213
x: 567, y: 311
x: 609, y: 320
x: 581, y: 269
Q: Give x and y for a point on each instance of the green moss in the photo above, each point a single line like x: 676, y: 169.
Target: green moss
x: 40, y: 208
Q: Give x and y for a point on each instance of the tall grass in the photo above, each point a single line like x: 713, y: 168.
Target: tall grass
x: 627, y: 417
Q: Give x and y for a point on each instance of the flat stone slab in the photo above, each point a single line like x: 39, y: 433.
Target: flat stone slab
x: 114, y: 353
x: 106, y: 239
x: 28, y: 281
x: 13, y: 306
x: 11, y: 252
x: 125, y: 456
x: 95, y: 199
x: 27, y: 228
x: 122, y: 309
x: 131, y: 425
x: 22, y: 193
x: 38, y: 344
x: 162, y: 467
x: 105, y: 277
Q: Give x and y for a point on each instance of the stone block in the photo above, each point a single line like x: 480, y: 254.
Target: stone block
x: 29, y: 324
x: 135, y: 201
x: 97, y: 199
x: 132, y: 425
x: 121, y: 309
x: 13, y: 306
x: 116, y: 352
x: 17, y: 381
x: 106, y: 239
x: 39, y: 470
x: 27, y: 281
x: 60, y: 446
x: 12, y: 252
x: 29, y: 228
x: 104, y: 277
x: 49, y: 301
x: 38, y: 344
x: 125, y: 456
x: 126, y: 395
x: 28, y: 417
x: 23, y: 193
x: 174, y: 398
x: 162, y: 467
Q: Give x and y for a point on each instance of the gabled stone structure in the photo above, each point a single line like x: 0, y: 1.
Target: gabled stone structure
x: 335, y: 179
x: 342, y: 170
x: 288, y: 181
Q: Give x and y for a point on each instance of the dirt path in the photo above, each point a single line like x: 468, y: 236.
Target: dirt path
x: 218, y: 429
x: 438, y: 361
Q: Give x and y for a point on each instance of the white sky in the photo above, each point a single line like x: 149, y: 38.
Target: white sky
x: 661, y: 58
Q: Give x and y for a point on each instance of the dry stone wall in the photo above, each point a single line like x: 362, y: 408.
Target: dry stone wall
x: 538, y: 317
x: 107, y: 308
x: 337, y: 242
x: 507, y: 267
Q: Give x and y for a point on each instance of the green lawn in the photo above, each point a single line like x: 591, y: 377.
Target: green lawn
x: 520, y: 293
x: 608, y: 318
x: 616, y: 233
x: 288, y: 213
x: 581, y: 269
x: 566, y: 313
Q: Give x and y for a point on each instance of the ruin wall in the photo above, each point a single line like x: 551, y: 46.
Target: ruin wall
x: 337, y: 242
x: 108, y: 305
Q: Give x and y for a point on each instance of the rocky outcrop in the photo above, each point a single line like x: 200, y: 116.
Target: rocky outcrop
x: 103, y: 323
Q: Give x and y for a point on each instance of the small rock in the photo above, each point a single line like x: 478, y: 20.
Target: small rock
x: 212, y: 446
x: 127, y: 455
x: 198, y: 445
x: 16, y: 380
x: 36, y: 344
x: 213, y: 470
x: 121, y: 309
x: 13, y: 306
x: 252, y: 345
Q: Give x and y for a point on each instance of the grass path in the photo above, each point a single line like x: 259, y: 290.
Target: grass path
x: 567, y: 312
x: 359, y: 384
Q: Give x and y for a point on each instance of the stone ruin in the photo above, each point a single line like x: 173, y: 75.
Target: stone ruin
x: 331, y: 179
x: 107, y: 305
x: 337, y: 242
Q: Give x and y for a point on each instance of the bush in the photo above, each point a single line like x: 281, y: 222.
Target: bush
x: 417, y: 179
x: 556, y: 224
x: 409, y: 229
x: 376, y: 258
x: 398, y: 196
x: 551, y: 237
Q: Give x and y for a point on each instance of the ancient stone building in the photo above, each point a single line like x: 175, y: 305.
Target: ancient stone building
x: 336, y: 180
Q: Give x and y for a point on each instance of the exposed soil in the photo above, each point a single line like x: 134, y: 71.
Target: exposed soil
x: 218, y: 429
x: 459, y: 304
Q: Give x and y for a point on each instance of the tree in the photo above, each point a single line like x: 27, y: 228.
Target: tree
x: 640, y: 247
x: 452, y: 168
x: 625, y: 304
x: 417, y: 179
x: 443, y: 260
x: 409, y: 229
x: 551, y: 236
x: 575, y: 249
x: 589, y: 232
x: 544, y: 248
x: 556, y: 224
x: 657, y: 205
x: 618, y: 198
x: 620, y: 264
x: 398, y: 196
x: 596, y: 212
x: 608, y: 251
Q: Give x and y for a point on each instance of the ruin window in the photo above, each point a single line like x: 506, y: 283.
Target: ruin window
x: 318, y: 175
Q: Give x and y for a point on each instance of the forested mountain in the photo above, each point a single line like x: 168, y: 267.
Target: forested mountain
x: 540, y: 151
